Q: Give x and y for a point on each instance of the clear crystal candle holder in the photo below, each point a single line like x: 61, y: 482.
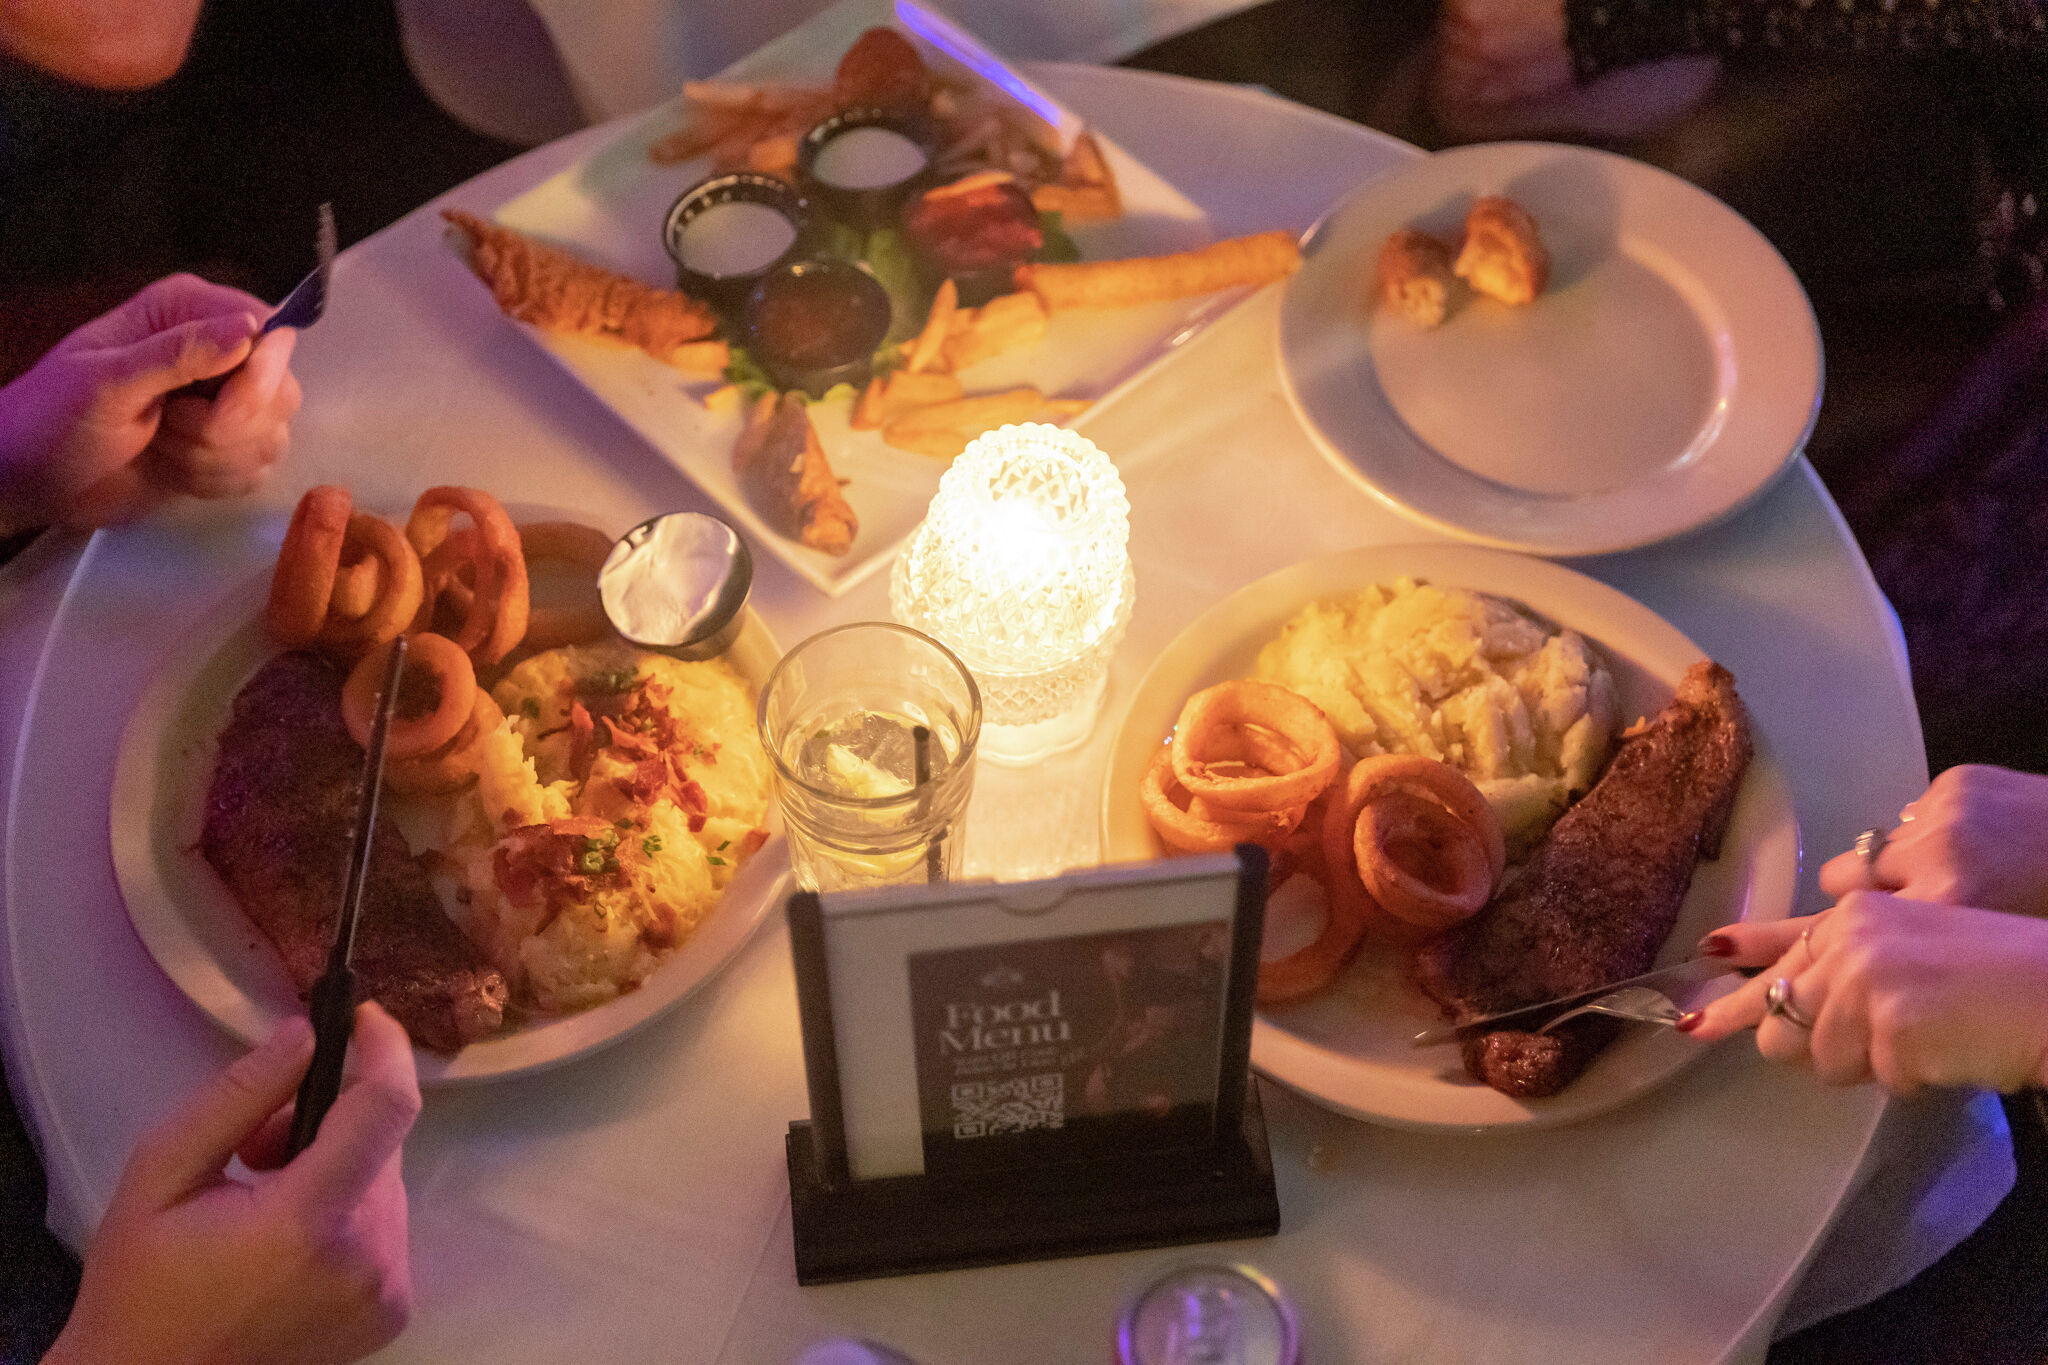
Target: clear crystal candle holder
x: 1022, y: 568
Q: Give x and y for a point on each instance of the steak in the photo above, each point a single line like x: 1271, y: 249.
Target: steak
x: 1600, y: 894
x: 280, y: 814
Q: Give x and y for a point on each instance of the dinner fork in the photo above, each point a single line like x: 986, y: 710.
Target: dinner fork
x: 301, y: 308
x: 1642, y: 1004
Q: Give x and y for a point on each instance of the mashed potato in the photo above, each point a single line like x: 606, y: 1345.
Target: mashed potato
x: 1525, y: 710
x: 611, y: 809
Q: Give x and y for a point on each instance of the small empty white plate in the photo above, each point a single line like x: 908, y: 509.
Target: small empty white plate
x: 1666, y: 376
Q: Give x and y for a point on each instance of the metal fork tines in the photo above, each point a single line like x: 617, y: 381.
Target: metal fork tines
x: 1642, y: 1004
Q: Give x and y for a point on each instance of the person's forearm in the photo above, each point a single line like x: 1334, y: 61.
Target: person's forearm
x: 1605, y: 34
x: 110, y: 44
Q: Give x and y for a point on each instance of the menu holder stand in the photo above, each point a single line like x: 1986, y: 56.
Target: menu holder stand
x: 851, y: 1229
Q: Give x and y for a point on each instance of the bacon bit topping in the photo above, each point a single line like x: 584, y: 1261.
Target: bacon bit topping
x: 645, y: 782
x: 635, y: 744
x: 751, y: 844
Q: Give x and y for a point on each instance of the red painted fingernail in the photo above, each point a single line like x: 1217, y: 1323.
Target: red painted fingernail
x: 1717, y: 945
x: 1686, y: 1023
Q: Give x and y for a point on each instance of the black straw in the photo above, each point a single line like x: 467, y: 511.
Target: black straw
x: 934, y: 851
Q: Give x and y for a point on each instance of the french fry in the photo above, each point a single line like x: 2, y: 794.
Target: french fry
x: 774, y: 155
x: 867, y: 409
x: 1004, y: 322
x: 925, y: 351
x: 900, y: 392
x: 700, y: 357
x: 1255, y: 260
x: 944, y: 429
x: 725, y: 398
x: 967, y: 184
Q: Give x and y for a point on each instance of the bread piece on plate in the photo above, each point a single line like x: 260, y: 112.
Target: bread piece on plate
x: 1415, y: 277
x: 1503, y: 257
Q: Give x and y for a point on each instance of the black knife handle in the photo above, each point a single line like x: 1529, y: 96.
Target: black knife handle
x: 333, y: 1009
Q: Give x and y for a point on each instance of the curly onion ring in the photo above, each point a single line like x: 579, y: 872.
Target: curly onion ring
x: 303, y: 582
x: 428, y: 656
x: 1340, y: 866
x: 583, y: 547
x: 1198, y: 829
x: 1449, y: 788
x: 1291, y: 717
x: 399, y: 587
x: 355, y: 587
x: 495, y: 619
x: 1310, y: 969
x: 1420, y: 862
x: 454, y: 765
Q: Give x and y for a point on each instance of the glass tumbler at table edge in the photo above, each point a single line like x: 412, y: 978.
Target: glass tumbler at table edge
x: 835, y: 719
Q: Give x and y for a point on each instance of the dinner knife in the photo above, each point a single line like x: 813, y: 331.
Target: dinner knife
x: 301, y: 308
x: 333, y: 1001
x: 1693, y: 968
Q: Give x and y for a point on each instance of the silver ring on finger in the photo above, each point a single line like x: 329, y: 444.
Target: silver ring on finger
x: 1778, y: 1002
x: 1870, y: 845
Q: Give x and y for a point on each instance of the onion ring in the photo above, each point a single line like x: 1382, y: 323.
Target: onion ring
x: 495, y: 619
x: 455, y: 764
x: 583, y: 547
x: 399, y: 588
x: 1197, y: 828
x: 355, y: 587
x: 303, y: 582
x: 410, y: 736
x: 1291, y: 717
x: 1420, y: 862
x: 1440, y: 782
x: 1340, y: 867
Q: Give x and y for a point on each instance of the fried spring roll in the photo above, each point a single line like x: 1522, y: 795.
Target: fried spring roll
x: 1255, y: 260
x: 782, y: 467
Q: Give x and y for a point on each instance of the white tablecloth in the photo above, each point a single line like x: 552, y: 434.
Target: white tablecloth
x: 634, y: 1206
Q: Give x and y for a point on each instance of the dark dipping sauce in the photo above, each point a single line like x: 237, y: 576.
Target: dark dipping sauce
x: 817, y: 323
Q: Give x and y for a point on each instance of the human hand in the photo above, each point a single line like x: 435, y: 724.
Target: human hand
x: 306, y: 1264
x: 1978, y: 836
x: 1908, y: 993
x: 1504, y: 70
x: 91, y: 435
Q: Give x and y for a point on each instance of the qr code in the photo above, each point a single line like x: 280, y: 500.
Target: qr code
x: 986, y: 1108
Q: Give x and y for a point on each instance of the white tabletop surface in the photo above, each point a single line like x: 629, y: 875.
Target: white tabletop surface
x: 634, y: 1205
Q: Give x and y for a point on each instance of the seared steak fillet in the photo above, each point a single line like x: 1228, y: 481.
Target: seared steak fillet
x: 279, y: 816
x: 1599, y: 896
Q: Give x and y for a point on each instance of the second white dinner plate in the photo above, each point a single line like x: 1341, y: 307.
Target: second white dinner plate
x: 1667, y: 375
x: 1348, y: 1048
x: 198, y: 933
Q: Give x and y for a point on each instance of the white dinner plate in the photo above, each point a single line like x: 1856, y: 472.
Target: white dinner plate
x: 1665, y: 377
x: 198, y: 933
x: 1348, y: 1048
x: 609, y: 206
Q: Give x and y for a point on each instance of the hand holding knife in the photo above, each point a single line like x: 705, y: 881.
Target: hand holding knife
x: 333, y: 998
x: 1692, y: 970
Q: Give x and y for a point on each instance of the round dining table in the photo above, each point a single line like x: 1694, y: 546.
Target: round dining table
x: 633, y: 1204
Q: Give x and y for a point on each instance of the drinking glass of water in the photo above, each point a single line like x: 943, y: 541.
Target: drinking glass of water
x: 871, y: 729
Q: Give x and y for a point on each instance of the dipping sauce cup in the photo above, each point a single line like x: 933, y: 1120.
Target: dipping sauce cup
x: 817, y: 323
x: 838, y: 719
x: 725, y: 233
x: 860, y: 165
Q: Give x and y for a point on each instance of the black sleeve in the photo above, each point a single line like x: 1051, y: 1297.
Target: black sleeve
x: 1604, y: 34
